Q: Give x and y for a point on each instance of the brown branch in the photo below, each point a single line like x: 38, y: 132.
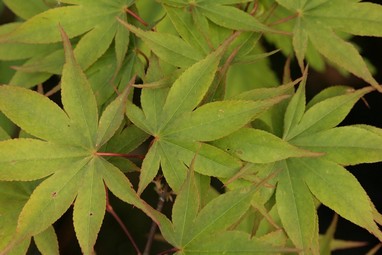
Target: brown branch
x: 123, y: 155
x: 168, y: 251
x: 162, y: 198
x: 111, y: 211
x: 283, y: 20
x: 136, y: 16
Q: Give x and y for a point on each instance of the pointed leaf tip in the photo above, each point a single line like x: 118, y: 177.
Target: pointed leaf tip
x: 69, y: 55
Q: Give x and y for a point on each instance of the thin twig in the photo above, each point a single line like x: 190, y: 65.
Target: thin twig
x: 110, y: 210
x: 40, y: 89
x: 162, y: 197
x: 54, y: 90
x: 123, y: 155
x: 168, y: 251
x: 283, y: 20
x: 135, y: 16
x: 255, y: 8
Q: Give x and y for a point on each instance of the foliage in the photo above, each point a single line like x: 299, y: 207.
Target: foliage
x: 193, y: 80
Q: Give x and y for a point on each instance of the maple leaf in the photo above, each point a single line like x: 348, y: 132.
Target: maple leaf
x: 321, y: 176
x: 316, y: 25
x: 193, y: 224
x: 180, y: 130
x: 67, y: 154
x: 98, y: 23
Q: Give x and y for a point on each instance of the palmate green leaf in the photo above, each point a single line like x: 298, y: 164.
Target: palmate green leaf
x: 348, y: 145
x: 39, y: 157
x: 136, y: 115
x: 175, y: 155
x: 150, y: 167
x: 296, y: 209
x: 45, y: 119
x: 258, y: 146
x: 232, y: 18
x: 89, y: 208
x: 188, y: 90
x: 356, y: 18
x: 338, y: 51
x: 220, y: 213
x: 112, y: 118
x: 215, y: 217
x: 121, y: 40
x: 179, y: 136
x: 296, y: 107
x: 267, y: 93
x: 326, y: 114
x: 168, y: 47
x: 47, y: 242
x: 51, y: 199
x: 76, y: 168
x: 218, y: 119
x: 300, y: 42
x: 78, y: 98
x: 13, y: 196
x: 316, y: 22
x: 153, y: 99
x: 186, y: 208
x: 127, y: 140
x: 336, y: 188
x: 97, y: 21
x: 26, y: 10
x: 118, y: 183
x: 210, y: 161
x: 234, y: 242
x: 327, y: 93
x: 173, y: 168
x: 16, y: 51
x: 187, y: 28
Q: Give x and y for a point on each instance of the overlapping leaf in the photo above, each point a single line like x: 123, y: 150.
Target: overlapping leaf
x: 178, y: 130
x: 323, y: 177
x: 316, y: 24
x: 66, y: 155
x: 13, y: 197
x: 98, y: 23
x: 192, y: 226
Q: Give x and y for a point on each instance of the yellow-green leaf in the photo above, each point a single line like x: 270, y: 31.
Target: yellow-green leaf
x: 36, y: 114
x: 188, y: 90
x: 336, y: 188
x: 347, y: 145
x: 47, y: 242
x: 39, y: 157
x: 78, y: 98
x: 258, y: 146
x: 50, y: 199
x: 89, y: 208
x: 150, y: 167
x: 168, y: 47
x: 296, y: 208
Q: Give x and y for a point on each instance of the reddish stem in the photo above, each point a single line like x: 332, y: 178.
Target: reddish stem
x: 162, y: 197
x: 255, y: 7
x: 168, y: 251
x: 135, y: 16
x: 123, y: 155
x: 283, y: 20
x: 110, y: 210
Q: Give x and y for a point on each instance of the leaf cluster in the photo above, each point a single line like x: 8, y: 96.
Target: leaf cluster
x: 188, y: 86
